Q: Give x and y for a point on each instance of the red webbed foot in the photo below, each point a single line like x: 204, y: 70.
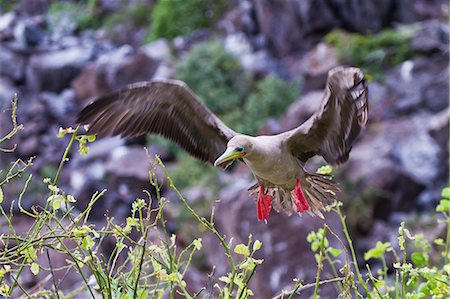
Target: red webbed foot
x: 299, y: 198
x: 264, y: 204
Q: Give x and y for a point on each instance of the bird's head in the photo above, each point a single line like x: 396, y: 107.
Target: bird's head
x: 238, y: 147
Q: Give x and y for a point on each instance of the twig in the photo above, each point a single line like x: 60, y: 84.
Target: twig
x: 53, y: 274
x: 308, y: 286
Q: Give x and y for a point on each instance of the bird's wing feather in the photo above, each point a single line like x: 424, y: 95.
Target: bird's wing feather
x: 168, y: 108
x: 331, y: 131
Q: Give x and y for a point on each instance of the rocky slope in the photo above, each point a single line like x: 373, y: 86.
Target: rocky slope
x: 397, y: 167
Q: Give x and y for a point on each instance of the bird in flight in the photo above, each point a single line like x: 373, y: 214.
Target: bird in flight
x: 171, y: 109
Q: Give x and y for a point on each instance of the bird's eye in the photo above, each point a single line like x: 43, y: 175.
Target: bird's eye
x: 239, y: 149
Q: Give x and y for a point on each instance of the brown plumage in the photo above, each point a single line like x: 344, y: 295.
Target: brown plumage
x: 169, y: 108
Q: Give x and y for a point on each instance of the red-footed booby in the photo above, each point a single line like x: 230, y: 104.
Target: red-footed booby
x: 171, y: 109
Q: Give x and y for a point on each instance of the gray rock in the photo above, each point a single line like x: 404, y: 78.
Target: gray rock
x: 6, y: 25
x: 416, y: 84
x: 114, y: 70
x: 159, y: 50
x: 433, y: 36
x: 60, y: 105
x: 12, y: 64
x: 295, y: 26
x: 7, y: 91
x: 53, y: 71
x: 398, y: 158
x: 301, y: 110
x: 129, y: 162
x: 314, y: 66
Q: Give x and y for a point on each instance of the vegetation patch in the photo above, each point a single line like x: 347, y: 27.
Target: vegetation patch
x: 172, y: 18
x: 373, y: 52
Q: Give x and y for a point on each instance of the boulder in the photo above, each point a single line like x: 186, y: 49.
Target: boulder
x: 114, y: 70
x: 302, y: 109
x: 53, y: 71
x: 432, y: 37
x: 295, y: 26
x: 12, y: 64
x: 397, y: 159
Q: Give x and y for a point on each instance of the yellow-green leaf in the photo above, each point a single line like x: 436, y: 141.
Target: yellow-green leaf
x: 242, y: 250
x: 34, y: 268
x: 87, y: 243
x: 1, y: 195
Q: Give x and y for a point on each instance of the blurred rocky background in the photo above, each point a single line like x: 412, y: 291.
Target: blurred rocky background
x: 261, y: 65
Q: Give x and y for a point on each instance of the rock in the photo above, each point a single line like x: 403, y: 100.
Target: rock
x: 258, y: 63
x: 397, y: 159
x: 53, y: 71
x: 158, y: 50
x: 432, y: 37
x: 238, y: 19
x: 314, y: 66
x: 438, y: 128
x: 28, y: 146
x: 7, y: 91
x: 35, y: 7
x: 29, y: 32
x: 12, y: 64
x: 129, y: 162
x: 295, y: 26
x: 60, y: 105
x: 6, y: 25
x: 415, y: 84
x: 114, y: 70
x: 302, y: 109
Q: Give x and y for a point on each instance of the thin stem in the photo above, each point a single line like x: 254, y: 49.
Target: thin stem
x: 66, y: 153
x: 352, y: 250
x: 208, y: 225
x: 447, y: 242
x: 320, y: 263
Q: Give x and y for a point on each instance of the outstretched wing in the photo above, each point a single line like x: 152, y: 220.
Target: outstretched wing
x: 331, y: 131
x: 168, y: 108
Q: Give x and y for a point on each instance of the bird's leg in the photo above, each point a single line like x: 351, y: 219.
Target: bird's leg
x: 264, y: 204
x: 299, y: 198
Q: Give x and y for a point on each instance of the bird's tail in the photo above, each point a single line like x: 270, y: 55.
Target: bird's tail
x: 320, y: 190
x: 312, y: 193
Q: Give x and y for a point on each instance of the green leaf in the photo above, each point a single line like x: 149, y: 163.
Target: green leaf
x: 446, y: 193
x: 56, y: 202
x: 326, y: 169
x: 334, y: 251
x: 34, y: 268
x: 443, y: 206
x: 197, y: 243
x: 91, y: 138
x: 419, y: 258
x: 315, y: 246
x: 242, y: 249
x: 257, y: 245
x: 87, y: 243
x: 378, y: 251
x: 1, y: 195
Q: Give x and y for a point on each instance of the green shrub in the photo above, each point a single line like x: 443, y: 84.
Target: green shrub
x: 74, y: 15
x: 172, y: 18
x: 372, y: 52
x: 137, y: 14
x: 189, y: 172
x: 215, y: 75
x: 270, y: 98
